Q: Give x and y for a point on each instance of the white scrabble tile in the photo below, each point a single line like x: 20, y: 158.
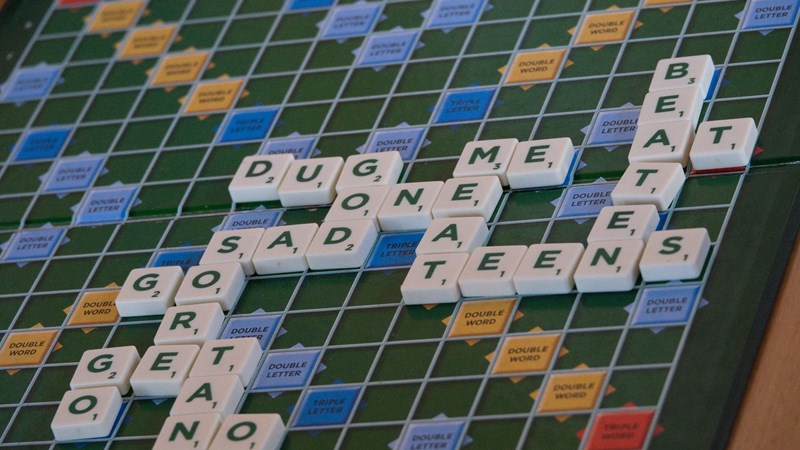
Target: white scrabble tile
x: 490, y: 271
x: 609, y: 266
x: 672, y: 104
x: 662, y: 142
x: 548, y: 269
x: 238, y: 357
x: 233, y: 246
x: 540, y: 163
x: 675, y: 254
x: 283, y: 249
x: 190, y: 324
x: 310, y: 182
x: 86, y: 413
x: 250, y: 432
x: 218, y: 283
x: 649, y: 184
x: 163, y: 369
x: 433, y: 279
x: 615, y: 223
x: 682, y: 72
x: 722, y: 144
x: 106, y: 367
x: 149, y: 291
x: 357, y: 203
x: 203, y: 395
x: 489, y: 157
x: 343, y: 244
x: 370, y: 169
x: 453, y: 235
x: 188, y: 432
x: 409, y: 206
x: 469, y: 196
x: 258, y: 177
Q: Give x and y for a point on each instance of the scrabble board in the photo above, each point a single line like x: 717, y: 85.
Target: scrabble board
x: 122, y: 124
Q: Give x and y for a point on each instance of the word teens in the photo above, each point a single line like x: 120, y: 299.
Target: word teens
x: 450, y: 265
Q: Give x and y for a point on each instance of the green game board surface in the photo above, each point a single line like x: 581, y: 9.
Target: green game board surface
x: 406, y: 365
